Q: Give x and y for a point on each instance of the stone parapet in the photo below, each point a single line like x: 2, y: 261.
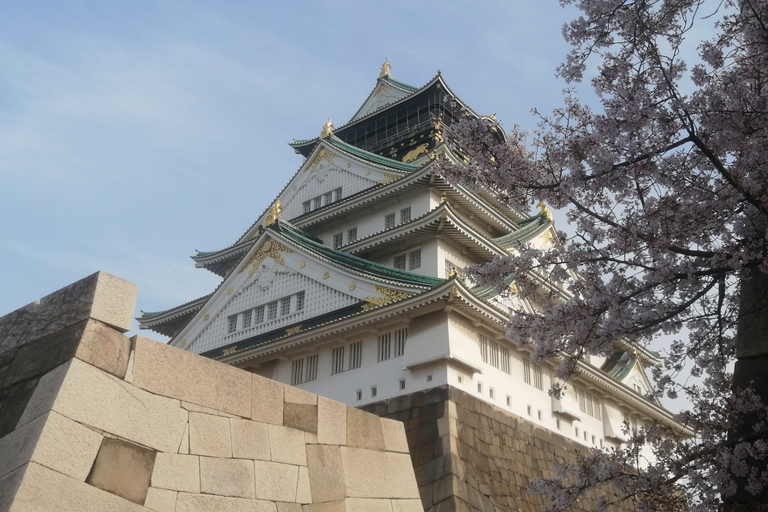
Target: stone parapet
x: 92, y: 420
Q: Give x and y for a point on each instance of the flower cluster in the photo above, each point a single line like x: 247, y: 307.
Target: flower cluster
x: 665, y: 186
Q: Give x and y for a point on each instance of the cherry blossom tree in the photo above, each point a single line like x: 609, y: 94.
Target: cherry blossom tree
x: 664, y: 185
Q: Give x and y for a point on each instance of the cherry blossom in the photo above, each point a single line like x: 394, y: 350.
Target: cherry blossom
x: 663, y: 180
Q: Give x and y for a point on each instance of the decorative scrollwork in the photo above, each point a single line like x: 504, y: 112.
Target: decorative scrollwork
x: 387, y: 295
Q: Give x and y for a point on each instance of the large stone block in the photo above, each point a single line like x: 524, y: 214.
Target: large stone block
x: 368, y: 505
x: 394, y: 436
x: 300, y: 416
x: 250, y: 439
x: 407, y: 506
x: 160, y: 500
x: 330, y: 506
x: 100, y: 296
x: 66, y: 446
x: 9, y: 484
x: 287, y: 445
x: 13, y: 401
x: 275, y: 481
x: 227, y: 477
x: 202, y: 503
x: 268, y: 398
x: 303, y: 489
x: 331, y: 422
x: 393, y: 477
x: 364, y: 430
x: 175, y: 373
x: 46, y: 490
x: 209, y: 435
x: 177, y: 472
x: 123, y: 469
x: 294, y: 395
x: 91, y: 397
x: 326, y: 473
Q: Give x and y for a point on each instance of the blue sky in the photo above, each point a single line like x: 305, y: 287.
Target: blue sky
x: 133, y: 133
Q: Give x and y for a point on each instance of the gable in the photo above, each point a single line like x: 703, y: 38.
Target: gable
x: 383, y: 94
x: 278, y: 284
x: 328, y: 176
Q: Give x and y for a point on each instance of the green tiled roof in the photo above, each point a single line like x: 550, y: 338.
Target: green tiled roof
x: 530, y: 228
x: 350, y: 261
x: 619, y: 364
x: 389, y: 162
x: 400, y: 84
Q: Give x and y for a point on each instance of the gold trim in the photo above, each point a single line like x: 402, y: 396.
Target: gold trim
x: 352, y: 286
x: 183, y: 343
x: 385, y: 68
x: 274, y: 213
x: 302, y: 264
x: 326, y: 275
x: 229, y: 351
x: 270, y: 249
x: 388, y: 178
x: 327, y: 129
x: 206, y: 317
x: 293, y: 330
x: 229, y: 291
x: 387, y: 295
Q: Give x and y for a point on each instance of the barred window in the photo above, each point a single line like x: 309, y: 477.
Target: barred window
x: 299, y: 301
x: 351, y: 235
x: 538, y: 381
x: 494, y: 353
x: 337, y: 194
x: 337, y: 360
x: 285, y: 306
x: 247, y: 318
x: 338, y: 240
x: 272, y: 310
x: 307, y: 205
x: 389, y: 221
x: 400, y: 262
x: 317, y: 202
x: 328, y: 198
x: 400, y: 337
x: 304, y: 370
x: 259, y: 315
x: 232, y: 327
x: 405, y: 215
x: 589, y: 403
x: 527, y: 371
x: 355, y: 355
x: 450, y: 267
x: 414, y: 259
x: 392, y: 344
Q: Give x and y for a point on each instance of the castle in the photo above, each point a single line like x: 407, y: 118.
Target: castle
x: 350, y: 284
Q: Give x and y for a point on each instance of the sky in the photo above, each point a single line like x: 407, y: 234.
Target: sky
x: 133, y: 133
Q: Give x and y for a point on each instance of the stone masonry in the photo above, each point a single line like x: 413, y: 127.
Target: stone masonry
x: 470, y: 456
x: 93, y: 420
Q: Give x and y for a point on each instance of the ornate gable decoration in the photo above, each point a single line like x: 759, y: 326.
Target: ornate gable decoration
x: 386, y: 296
x: 269, y: 249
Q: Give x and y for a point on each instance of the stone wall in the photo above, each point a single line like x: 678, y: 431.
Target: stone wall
x: 471, y: 456
x: 92, y: 420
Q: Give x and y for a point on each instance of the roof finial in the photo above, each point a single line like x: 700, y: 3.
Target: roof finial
x: 385, y: 68
x: 327, y: 129
x: 274, y: 213
x: 544, y: 210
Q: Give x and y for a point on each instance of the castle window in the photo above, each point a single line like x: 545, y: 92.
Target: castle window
x: 317, y: 202
x: 405, y: 215
x: 479, y: 387
x: 307, y: 205
x: 494, y: 353
x: 337, y: 358
x: 299, y: 301
x: 304, y: 370
x: 400, y: 262
x: 491, y: 392
x: 509, y: 401
x: 337, y: 194
x: 589, y: 403
x: 389, y: 221
x: 450, y: 267
x: 386, y: 344
x: 259, y: 315
x: 402, y: 384
x: 247, y: 318
x: 373, y: 391
x: 272, y: 310
x: 533, y: 374
x: 414, y: 259
x: 351, y: 235
x: 359, y: 395
x: 232, y: 326
x: 285, y: 306
x: 340, y: 363
x: 338, y: 240
x: 328, y: 198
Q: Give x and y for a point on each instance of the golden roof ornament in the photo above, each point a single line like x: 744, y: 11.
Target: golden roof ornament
x: 385, y: 68
x: 545, y: 210
x: 274, y: 213
x: 327, y: 129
